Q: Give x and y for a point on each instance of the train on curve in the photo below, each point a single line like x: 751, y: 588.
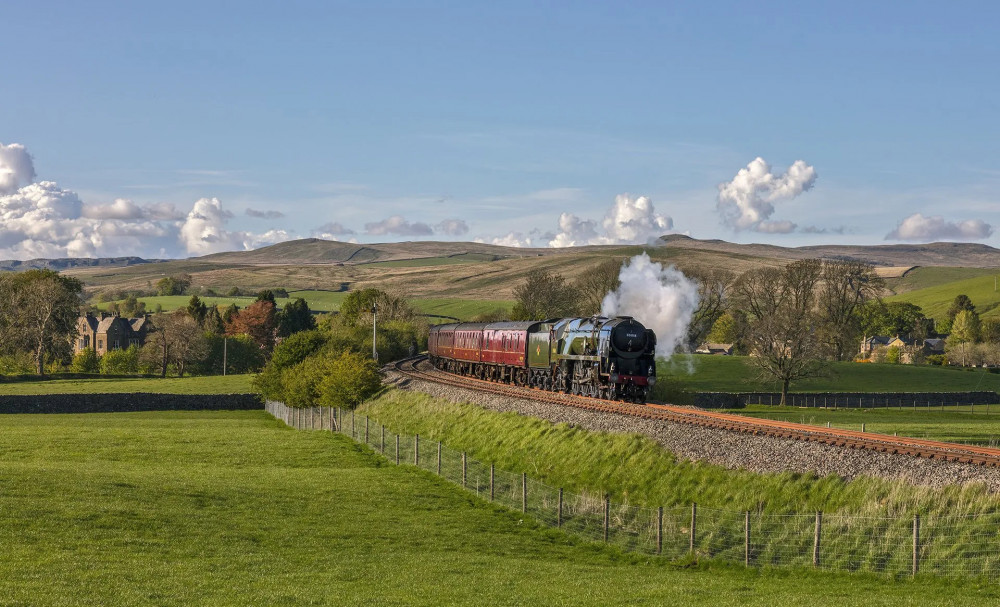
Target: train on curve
x: 609, y: 358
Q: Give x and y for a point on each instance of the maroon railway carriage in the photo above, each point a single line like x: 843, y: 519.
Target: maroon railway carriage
x: 496, y: 351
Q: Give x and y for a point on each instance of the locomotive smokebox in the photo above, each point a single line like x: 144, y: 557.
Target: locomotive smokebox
x: 629, y: 336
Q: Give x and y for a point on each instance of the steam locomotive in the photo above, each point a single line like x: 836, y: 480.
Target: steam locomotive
x: 609, y: 358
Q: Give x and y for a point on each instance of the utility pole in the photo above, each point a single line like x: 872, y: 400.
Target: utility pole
x: 374, y: 351
x: 225, y: 354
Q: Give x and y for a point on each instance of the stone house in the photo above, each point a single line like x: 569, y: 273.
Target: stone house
x: 109, y: 332
x: 715, y: 349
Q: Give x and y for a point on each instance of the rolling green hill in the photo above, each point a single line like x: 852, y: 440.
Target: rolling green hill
x: 936, y: 299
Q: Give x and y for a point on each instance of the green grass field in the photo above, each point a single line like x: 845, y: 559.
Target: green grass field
x: 932, y: 276
x: 936, y: 298
x: 702, y: 373
x: 211, y: 384
x: 233, y: 508
x: 978, y: 425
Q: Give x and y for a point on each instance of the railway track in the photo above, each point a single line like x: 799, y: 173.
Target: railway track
x: 419, y: 368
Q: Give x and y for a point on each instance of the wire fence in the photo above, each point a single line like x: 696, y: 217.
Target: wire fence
x: 966, y: 546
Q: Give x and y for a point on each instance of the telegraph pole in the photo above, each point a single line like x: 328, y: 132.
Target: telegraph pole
x: 374, y: 351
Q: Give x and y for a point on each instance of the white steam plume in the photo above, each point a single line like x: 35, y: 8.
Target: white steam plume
x: 746, y: 202
x: 661, y: 298
x: 16, y: 168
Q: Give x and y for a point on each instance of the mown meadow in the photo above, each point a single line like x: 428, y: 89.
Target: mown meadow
x: 234, y: 508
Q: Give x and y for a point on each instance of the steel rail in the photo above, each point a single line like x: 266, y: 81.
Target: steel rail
x: 850, y: 439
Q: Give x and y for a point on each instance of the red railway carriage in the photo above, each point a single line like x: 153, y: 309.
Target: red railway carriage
x: 462, y: 341
x: 506, y: 343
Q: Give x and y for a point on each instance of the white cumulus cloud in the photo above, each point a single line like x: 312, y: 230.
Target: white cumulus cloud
x: 264, y: 214
x: 399, y: 226
x: 628, y: 221
x: 747, y: 202
x: 919, y: 227
x: 452, y: 227
x: 204, y: 231
x: 16, y: 168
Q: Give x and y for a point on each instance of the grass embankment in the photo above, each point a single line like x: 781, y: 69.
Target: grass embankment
x: 978, y: 425
x: 202, y: 384
x: 234, y: 508
x: 702, y: 373
x: 636, y: 469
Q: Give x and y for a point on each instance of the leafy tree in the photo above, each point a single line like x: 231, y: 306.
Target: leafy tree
x: 960, y: 303
x: 132, y: 307
x: 197, y: 309
x: 239, y: 352
x: 893, y: 318
x: 233, y: 292
x: 38, y: 313
x: 724, y: 330
x: 713, y: 288
x: 594, y: 285
x: 543, y: 295
x: 989, y: 330
x: 121, y: 362
x: 287, y: 354
x: 266, y: 295
x: 258, y: 321
x: 296, y: 316
x: 964, y: 331
x: 173, y: 285
x: 212, y: 322
x: 86, y: 361
x: 356, y: 307
x: 892, y: 355
x: 229, y: 313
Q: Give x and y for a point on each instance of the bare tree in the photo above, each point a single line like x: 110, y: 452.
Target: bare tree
x: 595, y: 284
x: 543, y: 295
x: 176, y: 339
x: 846, y: 288
x: 713, y: 290
x: 781, y: 320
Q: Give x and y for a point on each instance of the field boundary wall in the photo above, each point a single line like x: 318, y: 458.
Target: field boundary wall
x: 903, y: 545
x: 125, y: 403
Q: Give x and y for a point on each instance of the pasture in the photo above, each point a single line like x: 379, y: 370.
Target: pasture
x: 936, y: 297
x: 200, y: 384
x: 234, y: 508
x: 703, y: 373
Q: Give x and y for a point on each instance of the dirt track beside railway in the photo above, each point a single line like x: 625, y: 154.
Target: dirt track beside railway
x: 729, y: 449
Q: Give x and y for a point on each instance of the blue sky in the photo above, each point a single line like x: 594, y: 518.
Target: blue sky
x: 505, y: 115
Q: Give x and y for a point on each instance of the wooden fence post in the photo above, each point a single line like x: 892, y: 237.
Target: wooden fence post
x: 819, y: 528
x: 439, y: 459
x: 694, y: 524
x: 465, y: 470
x: 353, y: 433
x: 916, y: 543
x: 559, y: 509
x: 607, y: 515
x: 491, y: 482
x: 382, y: 441
x: 366, y: 429
x: 659, y: 530
x: 524, y: 492
x: 746, y: 539
x: 397, y: 449
x: 416, y: 450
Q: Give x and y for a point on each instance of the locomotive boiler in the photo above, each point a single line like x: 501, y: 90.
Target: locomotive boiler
x: 610, y: 358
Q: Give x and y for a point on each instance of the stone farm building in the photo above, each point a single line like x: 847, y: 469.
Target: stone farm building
x: 109, y: 332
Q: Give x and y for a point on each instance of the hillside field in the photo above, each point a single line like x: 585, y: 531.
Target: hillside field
x: 234, y: 508
x: 200, y: 384
x: 936, y: 299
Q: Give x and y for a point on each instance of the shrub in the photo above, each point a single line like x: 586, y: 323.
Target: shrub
x: 86, y: 362
x: 938, y: 359
x: 18, y: 363
x: 892, y: 355
x: 330, y: 380
x: 121, y: 362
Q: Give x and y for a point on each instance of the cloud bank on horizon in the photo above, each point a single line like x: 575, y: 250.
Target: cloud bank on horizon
x: 40, y: 219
